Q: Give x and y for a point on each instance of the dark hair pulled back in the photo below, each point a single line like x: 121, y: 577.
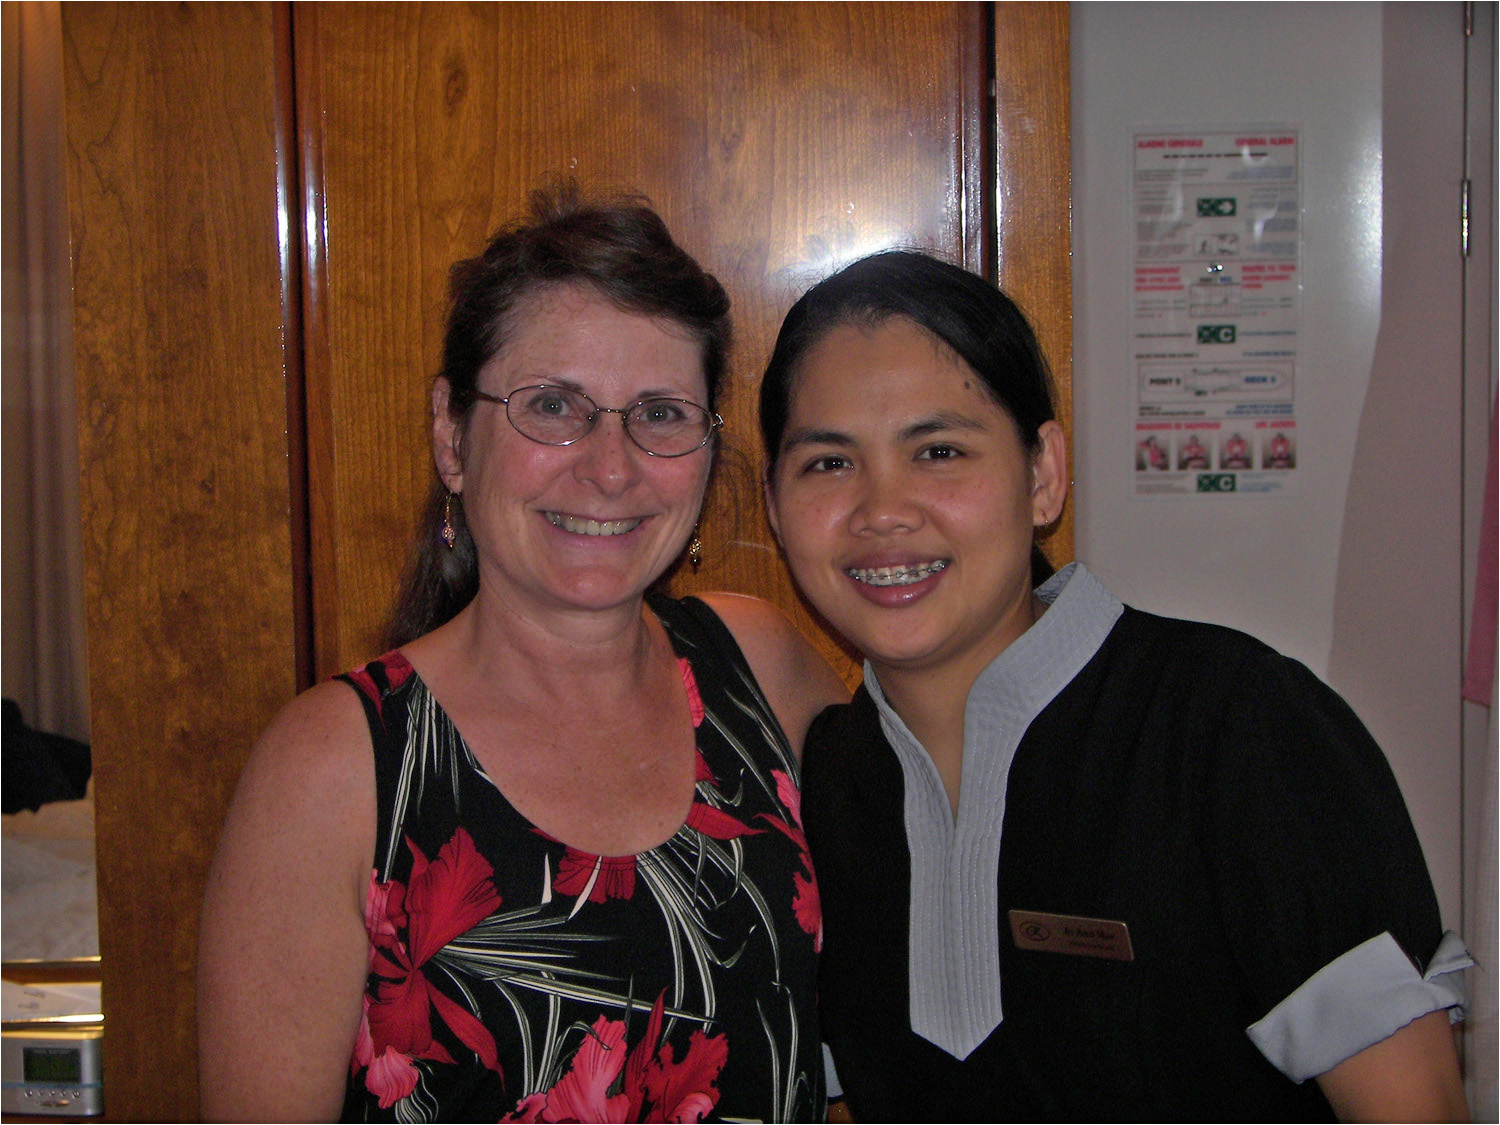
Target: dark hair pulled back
x: 980, y: 323
x: 619, y: 247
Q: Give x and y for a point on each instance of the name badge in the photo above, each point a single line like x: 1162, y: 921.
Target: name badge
x: 1067, y: 933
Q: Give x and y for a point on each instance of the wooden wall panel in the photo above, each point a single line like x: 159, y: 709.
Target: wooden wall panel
x: 778, y: 141
x: 182, y: 403
x: 1033, y: 195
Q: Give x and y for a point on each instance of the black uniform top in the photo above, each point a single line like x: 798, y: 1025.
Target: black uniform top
x: 1189, y: 782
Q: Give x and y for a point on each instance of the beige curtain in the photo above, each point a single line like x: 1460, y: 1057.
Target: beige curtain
x: 45, y: 664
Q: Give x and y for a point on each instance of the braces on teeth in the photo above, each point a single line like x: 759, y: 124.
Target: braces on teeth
x: 897, y: 575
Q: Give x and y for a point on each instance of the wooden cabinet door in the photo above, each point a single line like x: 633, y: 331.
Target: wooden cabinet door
x: 183, y: 365
x: 219, y: 248
x: 777, y: 140
x: 1032, y: 185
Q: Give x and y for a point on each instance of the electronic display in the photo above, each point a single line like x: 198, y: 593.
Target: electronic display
x: 51, y: 1064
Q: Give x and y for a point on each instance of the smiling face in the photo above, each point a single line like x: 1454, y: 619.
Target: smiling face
x: 588, y: 526
x: 906, y: 502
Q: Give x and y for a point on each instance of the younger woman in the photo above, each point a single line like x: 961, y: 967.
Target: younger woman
x: 1078, y: 862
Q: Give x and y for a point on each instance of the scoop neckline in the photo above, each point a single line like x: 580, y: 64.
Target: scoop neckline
x: 685, y: 667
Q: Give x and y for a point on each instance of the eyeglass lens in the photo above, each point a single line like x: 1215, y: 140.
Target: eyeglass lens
x: 668, y: 427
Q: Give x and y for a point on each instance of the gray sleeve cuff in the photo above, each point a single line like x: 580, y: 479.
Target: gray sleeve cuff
x: 831, y: 1076
x: 1356, y: 1000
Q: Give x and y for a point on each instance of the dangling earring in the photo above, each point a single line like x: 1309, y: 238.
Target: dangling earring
x: 695, y: 551
x: 450, y: 536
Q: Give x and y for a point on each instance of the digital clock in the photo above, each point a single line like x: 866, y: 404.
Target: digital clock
x: 52, y: 1064
x: 52, y: 1071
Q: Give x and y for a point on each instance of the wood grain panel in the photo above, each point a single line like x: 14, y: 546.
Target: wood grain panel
x: 187, y: 550
x: 778, y: 140
x: 1033, y: 195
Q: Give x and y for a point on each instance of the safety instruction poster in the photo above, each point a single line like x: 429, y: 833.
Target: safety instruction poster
x: 1216, y: 311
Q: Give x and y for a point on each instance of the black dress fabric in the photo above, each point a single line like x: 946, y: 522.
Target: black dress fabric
x: 515, y: 978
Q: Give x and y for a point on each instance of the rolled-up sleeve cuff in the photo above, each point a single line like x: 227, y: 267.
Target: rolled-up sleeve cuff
x: 831, y: 1076
x: 1356, y: 1000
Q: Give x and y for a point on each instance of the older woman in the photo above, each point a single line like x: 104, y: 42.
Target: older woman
x: 543, y: 860
x: 1079, y: 862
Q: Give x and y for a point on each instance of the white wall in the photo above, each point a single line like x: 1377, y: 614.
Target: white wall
x: 1359, y: 574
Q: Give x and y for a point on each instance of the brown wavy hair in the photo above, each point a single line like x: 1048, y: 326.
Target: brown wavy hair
x: 620, y: 247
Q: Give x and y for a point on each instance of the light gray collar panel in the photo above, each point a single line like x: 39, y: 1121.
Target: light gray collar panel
x: 954, y: 970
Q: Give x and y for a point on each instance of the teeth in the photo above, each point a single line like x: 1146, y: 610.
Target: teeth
x: 576, y: 526
x: 897, y: 575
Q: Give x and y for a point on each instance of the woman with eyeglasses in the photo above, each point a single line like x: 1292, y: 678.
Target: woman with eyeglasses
x: 1078, y: 862
x: 572, y: 884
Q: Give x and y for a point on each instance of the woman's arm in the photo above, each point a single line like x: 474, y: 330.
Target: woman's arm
x: 797, y: 681
x: 282, y: 951
x: 1411, y: 1076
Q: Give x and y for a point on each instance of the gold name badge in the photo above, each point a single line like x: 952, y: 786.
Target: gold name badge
x: 1066, y: 933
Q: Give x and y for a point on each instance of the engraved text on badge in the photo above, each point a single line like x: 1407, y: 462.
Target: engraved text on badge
x: 1067, y: 933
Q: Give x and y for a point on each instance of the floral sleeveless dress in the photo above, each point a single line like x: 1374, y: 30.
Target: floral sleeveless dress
x: 515, y: 978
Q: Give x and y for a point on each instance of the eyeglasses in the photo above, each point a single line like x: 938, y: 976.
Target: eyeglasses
x: 662, y: 427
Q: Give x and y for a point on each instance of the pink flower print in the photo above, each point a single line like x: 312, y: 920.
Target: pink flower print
x: 583, y: 1093
x: 717, y: 823
x: 397, y: 671
x: 443, y: 899
x: 651, y: 1084
x: 807, y: 902
x: 397, y: 668
x: 790, y: 797
x: 690, y: 682
x: 390, y: 1077
x: 685, y: 1091
x: 616, y: 875
x: 378, y: 921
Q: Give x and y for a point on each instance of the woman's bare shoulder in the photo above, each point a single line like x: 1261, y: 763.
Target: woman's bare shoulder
x: 762, y: 630
x: 289, y: 881
x: 309, y: 778
x: 796, y: 678
x: 322, y: 732
x: 744, y: 613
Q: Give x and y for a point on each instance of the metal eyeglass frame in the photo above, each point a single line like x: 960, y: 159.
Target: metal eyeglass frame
x: 715, y: 421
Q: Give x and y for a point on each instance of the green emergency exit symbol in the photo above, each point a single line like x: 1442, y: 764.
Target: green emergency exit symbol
x: 1215, y: 482
x: 1215, y: 208
x: 1215, y: 333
